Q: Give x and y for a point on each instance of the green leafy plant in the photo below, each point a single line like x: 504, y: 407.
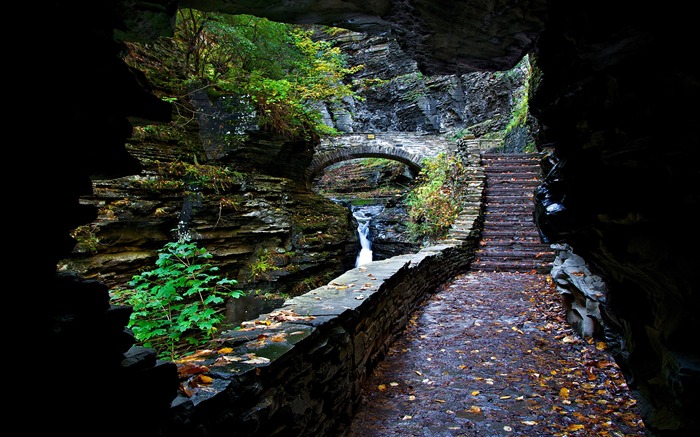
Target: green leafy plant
x: 86, y: 238
x: 281, y: 68
x: 179, y: 303
x: 521, y: 107
x: 262, y: 265
x: 435, y: 199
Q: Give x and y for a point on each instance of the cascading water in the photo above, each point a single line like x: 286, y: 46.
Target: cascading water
x: 365, y: 255
x: 364, y: 215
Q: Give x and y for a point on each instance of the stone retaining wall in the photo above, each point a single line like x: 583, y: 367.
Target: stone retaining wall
x: 297, y: 370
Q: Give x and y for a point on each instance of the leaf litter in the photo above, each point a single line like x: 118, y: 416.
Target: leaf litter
x: 491, y: 354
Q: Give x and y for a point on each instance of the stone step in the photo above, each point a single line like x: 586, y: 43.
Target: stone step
x: 514, y: 183
x: 510, y: 241
x: 499, y: 197
x: 525, y: 231
x: 503, y: 253
x: 509, y: 227
x: 519, y: 213
x: 508, y: 266
x: 496, y: 209
x: 510, y: 156
x: 525, y: 172
x: 517, y: 249
x: 517, y: 165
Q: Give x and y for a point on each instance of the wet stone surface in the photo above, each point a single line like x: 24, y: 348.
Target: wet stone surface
x: 490, y: 354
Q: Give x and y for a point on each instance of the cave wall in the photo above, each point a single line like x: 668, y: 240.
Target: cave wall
x: 616, y: 101
x: 621, y: 190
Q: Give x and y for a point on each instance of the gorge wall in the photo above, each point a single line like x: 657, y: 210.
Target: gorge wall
x: 264, y: 230
x: 614, y: 95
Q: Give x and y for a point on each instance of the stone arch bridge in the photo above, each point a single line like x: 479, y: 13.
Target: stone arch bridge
x: 409, y: 148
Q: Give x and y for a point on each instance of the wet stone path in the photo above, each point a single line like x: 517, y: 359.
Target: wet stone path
x: 490, y: 354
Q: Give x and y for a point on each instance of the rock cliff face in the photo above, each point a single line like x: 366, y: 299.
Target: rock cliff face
x: 398, y: 96
x: 615, y: 94
x: 231, y: 196
x: 395, y: 96
x: 255, y: 218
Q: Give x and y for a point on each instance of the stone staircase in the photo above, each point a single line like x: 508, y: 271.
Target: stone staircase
x: 510, y: 241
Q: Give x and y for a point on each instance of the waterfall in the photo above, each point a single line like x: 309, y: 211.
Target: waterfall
x: 363, y: 215
x: 365, y: 255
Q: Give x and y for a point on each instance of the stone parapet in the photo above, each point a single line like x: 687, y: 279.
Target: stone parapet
x: 297, y: 370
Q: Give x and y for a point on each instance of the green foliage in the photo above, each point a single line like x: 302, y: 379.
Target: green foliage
x: 460, y: 134
x: 212, y: 177
x: 262, y: 265
x: 518, y: 116
x: 179, y: 302
x: 435, y: 199
x: 86, y: 238
x: 280, y: 67
x: 180, y: 175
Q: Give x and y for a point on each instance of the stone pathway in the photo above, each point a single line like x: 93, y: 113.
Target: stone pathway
x: 490, y: 353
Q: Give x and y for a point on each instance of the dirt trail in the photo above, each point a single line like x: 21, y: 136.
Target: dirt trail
x: 490, y: 354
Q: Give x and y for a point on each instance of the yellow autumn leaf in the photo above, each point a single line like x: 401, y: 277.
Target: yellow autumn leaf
x: 564, y: 392
x: 278, y: 337
x: 475, y: 392
x: 600, y: 346
x: 574, y: 427
x: 225, y: 350
x: 474, y: 409
x: 381, y: 387
x: 204, y: 379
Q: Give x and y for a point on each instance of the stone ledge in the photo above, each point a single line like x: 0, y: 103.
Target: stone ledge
x: 297, y: 370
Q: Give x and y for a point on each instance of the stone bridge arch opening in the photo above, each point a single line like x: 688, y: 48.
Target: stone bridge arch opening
x: 321, y: 161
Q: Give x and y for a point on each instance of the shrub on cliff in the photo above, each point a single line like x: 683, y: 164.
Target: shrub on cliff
x: 179, y: 303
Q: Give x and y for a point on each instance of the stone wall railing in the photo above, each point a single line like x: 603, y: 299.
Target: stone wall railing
x: 297, y: 371
x: 482, y: 143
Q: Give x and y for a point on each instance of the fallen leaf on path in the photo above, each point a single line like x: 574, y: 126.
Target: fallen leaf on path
x: 254, y: 359
x: 574, y: 427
